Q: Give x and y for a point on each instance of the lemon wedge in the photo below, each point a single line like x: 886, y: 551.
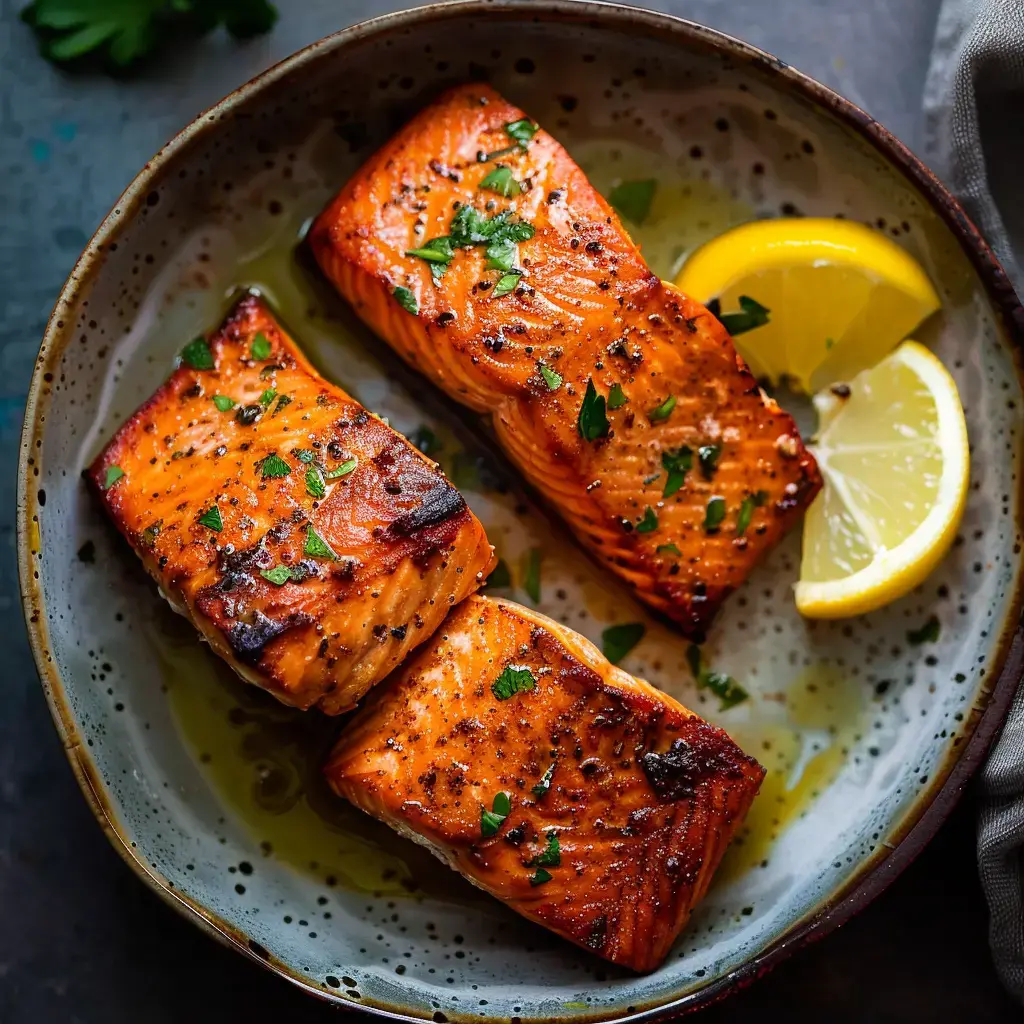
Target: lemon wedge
x: 892, y: 448
x: 839, y: 295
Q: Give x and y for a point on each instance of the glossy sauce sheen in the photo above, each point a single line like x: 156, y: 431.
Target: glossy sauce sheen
x: 587, y: 308
x: 403, y: 546
x: 642, y: 794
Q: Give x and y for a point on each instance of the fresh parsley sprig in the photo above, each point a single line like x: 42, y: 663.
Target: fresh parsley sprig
x: 123, y: 33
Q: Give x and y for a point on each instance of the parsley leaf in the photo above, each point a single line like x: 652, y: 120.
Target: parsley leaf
x: 616, y: 397
x: 279, y: 575
x: 123, y: 32
x: 926, y: 634
x: 521, y: 131
x: 632, y: 199
x: 753, y: 315
x: 500, y: 576
x: 714, y: 514
x: 540, y: 788
x: 708, y: 456
x: 513, y: 679
x: 539, y: 877
x: 273, y: 467
x: 438, y: 252
x: 663, y: 411
x: 211, y: 518
x: 267, y: 397
x: 260, y: 349
x: 491, y: 821
x: 113, y: 474
x: 746, y: 513
x: 407, y: 300
x: 282, y: 401
x: 551, y: 855
x: 668, y: 549
x: 724, y: 687
x: 223, y: 403
x: 592, y: 422
x: 343, y: 470
x: 502, y: 182
x: 506, y: 283
x: 649, y: 522
x: 618, y: 641
x: 315, y: 483
x: 316, y: 546
x: 531, y: 578
x: 552, y: 378
x: 678, y: 463
x: 198, y: 355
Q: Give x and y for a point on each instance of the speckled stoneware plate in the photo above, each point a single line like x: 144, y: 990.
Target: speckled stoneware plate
x: 212, y: 792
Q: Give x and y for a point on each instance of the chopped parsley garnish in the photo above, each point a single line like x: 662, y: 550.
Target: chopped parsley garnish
x: 649, y: 521
x: 663, y: 411
x: 406, y: 300
x: 113, y: 474
x: 677, y: 463
x: 282, y: 401
x: 668, y: 549
x: 343, y: 470
x: 211, y: 519
x: 315, y: 482
x: 506, y: 283
x: 551, y: 855
x: 491, y: 820
x: 746, y: 513
x: 426, y: 440
x: 753, y: 315
x: 502, y: 181
x: 592, y: 422
x: 150, y: 533
x: 616, y: 397
x: 540, y: 788
x: 552, y: 378
x: 714, y: 513
x: 539, y: 877
x: 267, y: 397
x: 198, y: 355
x: 316, y: 546
x: 438, y: 252
x: 500, y: 576
x: 531, y: 578
x: 632, y: 199
x: 724, y: 687
x: 618, y: 641
x: 926, y: 634
x: 260, y: 349
x: 280, y: 575
x: 521, y: 131
x: 223, y: 403
x: 513, y: 679
x: 707, y: 455
x: 273, y: 467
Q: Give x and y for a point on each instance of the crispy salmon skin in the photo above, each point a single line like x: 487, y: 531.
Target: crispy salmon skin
x: 583, y: 798
x: 476, y: 247
x: 310, y: 544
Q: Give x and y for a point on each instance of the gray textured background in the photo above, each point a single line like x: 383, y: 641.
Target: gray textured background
x: 81, y: 940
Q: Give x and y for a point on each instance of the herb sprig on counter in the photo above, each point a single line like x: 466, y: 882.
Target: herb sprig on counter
x: 123, y: 33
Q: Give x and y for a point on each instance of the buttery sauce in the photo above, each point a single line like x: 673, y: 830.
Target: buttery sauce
x: 263, y: 761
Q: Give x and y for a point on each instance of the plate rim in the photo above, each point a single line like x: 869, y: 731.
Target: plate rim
x: 931, y: 807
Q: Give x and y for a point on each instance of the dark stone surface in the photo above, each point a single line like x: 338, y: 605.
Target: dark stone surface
x: 80, y: 938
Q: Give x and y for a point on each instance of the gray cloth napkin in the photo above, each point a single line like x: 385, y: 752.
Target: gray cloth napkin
x: 974, y: 139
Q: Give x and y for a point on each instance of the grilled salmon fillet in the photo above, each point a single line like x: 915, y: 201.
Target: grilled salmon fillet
x: 310, y: 544
x: 476, y: 247
x: 583, y: 798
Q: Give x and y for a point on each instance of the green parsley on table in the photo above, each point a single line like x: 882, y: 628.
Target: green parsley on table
x: 618, y: 641
x: 513, y: 679
x: 926, y: 634
x: 724, y: 687
x: 125, y: 32
x: 632, y: 199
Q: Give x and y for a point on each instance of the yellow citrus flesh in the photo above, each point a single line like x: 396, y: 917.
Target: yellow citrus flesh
x: 841, y: 296
x: 895, y: 461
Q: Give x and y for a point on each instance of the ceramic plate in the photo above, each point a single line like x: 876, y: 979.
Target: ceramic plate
x: 212, y: 791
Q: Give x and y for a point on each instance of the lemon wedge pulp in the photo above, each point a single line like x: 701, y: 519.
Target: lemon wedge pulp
x: 893, y: 453
x: 840, y: 295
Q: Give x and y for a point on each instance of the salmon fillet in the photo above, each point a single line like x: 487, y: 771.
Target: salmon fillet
x: 585, y: 799
x: 621, y: 399
x: 311, y: 545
